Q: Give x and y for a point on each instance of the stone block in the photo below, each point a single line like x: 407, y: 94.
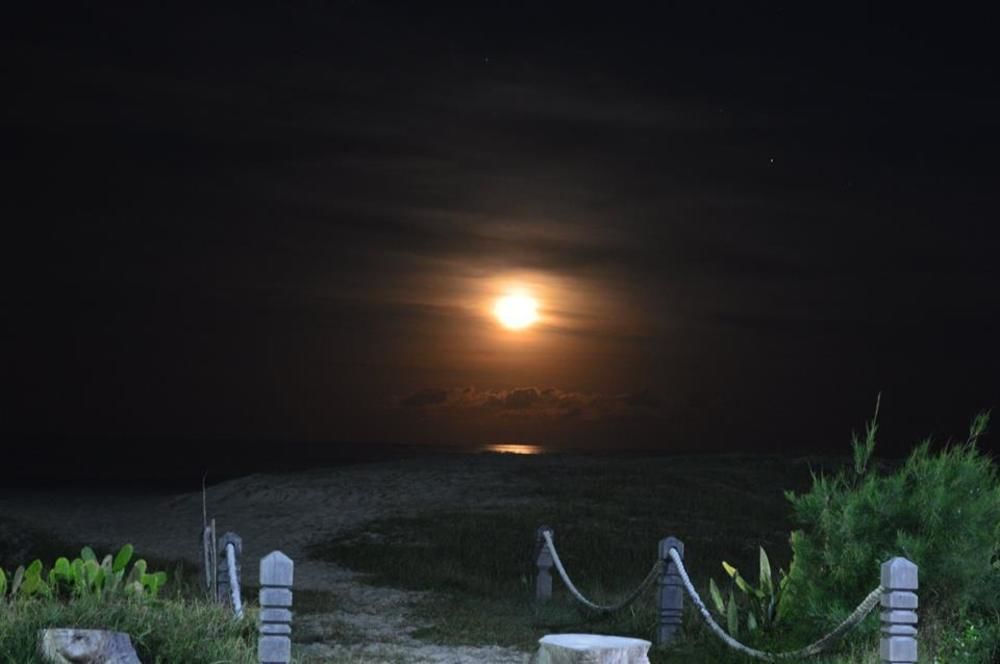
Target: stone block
x: 590, y: 649
x: 86, y: 646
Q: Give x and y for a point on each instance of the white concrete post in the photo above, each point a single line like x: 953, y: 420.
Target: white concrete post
x: 275, y: 643
x: 670, y: 594
x: 899, y: 612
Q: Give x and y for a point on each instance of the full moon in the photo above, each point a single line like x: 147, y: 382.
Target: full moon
x: 516, y: 311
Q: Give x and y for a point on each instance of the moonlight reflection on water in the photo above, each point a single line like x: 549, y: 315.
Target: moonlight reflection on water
x: 514, y: 448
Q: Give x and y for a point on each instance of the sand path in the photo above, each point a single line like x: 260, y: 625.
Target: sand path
x: 288, y: 512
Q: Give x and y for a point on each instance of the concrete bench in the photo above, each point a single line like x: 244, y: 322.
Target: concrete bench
x: 590, y: 649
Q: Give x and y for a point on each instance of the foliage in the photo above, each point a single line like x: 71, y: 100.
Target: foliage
x: 976, y: 640
x: 761, y: 601
x: 85, y: 576
x: 163, y: 632
x: 942, y: 511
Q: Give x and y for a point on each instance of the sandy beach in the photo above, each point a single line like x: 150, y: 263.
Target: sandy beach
x: 287, y: 512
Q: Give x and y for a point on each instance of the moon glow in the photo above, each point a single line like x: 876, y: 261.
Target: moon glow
x: 516, y: 311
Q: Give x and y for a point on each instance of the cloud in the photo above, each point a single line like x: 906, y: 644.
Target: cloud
x: 423, y: 398
x: 534, y: 402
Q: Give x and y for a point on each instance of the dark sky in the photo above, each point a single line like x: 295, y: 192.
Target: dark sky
x: 289, y: 221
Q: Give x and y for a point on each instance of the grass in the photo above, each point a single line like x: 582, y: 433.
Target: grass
x: 608, y: 516
x: 179, y: 626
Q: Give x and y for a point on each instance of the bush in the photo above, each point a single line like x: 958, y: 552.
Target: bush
x: 942, y: 511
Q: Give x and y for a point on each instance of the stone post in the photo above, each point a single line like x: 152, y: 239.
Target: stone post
x: 899, y: 612
x: 275, y: 643
x: 543, y: 560
x: 223, y: 591
x: 670, y: 594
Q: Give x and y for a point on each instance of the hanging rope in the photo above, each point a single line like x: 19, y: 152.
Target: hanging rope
x: 648, y: 581
x: 812, y: 649
x: 234, y: 585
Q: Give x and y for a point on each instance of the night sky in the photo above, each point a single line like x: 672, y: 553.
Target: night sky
x: 289, y: 222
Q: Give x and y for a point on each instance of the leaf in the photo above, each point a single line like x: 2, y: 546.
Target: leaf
x: 30, y: 585
x: 3, y: 582
x: 730, y: 570
x: 743, y: 585
x: 98, y: 581
x: 765, y: 573
x: 34, y: 569
x: 751, y: 622
x: 79, y: 580
x: 88, y: 554
x: 18, y: 578
x: 90, y: 571
x: 112, y: 582
x: 153, y: 582
x: 713, y: 590
x: 106, y: 563
x: 138, y: 570
x: 733, y: 617
x: 62, y: 568
x: 121, y: 560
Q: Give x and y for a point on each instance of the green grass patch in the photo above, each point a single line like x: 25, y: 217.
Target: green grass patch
x: 608, y: 516
x: 179, y: 626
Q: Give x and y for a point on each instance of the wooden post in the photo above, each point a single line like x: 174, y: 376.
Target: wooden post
x: 898, y: 644
x: 214, y: 554
x: 543, y: 560
x: 223, y: 591
x: 275, y: 643
x: 670, y: 594
x: 206, y: 557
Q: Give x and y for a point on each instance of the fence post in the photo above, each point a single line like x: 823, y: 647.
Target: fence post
x: 543, y: 560
x: 275, y: 643
x: 898, y: 644
x: 670, y: 595
x: 223, y: 591
x: 207, y: 561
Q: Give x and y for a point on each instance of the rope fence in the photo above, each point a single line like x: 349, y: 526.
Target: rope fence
x: 654, y: 573
x: 222, y: 579
x: 895, y: 593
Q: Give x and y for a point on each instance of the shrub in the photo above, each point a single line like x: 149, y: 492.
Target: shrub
x: 942, y: 511
x: 85, y: 576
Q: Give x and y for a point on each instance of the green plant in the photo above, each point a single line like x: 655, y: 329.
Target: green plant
x: 762, y: 600
x: 942, y: 511
x: 727, y: 609
x: 973, y: 640
x: 85, y: 576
